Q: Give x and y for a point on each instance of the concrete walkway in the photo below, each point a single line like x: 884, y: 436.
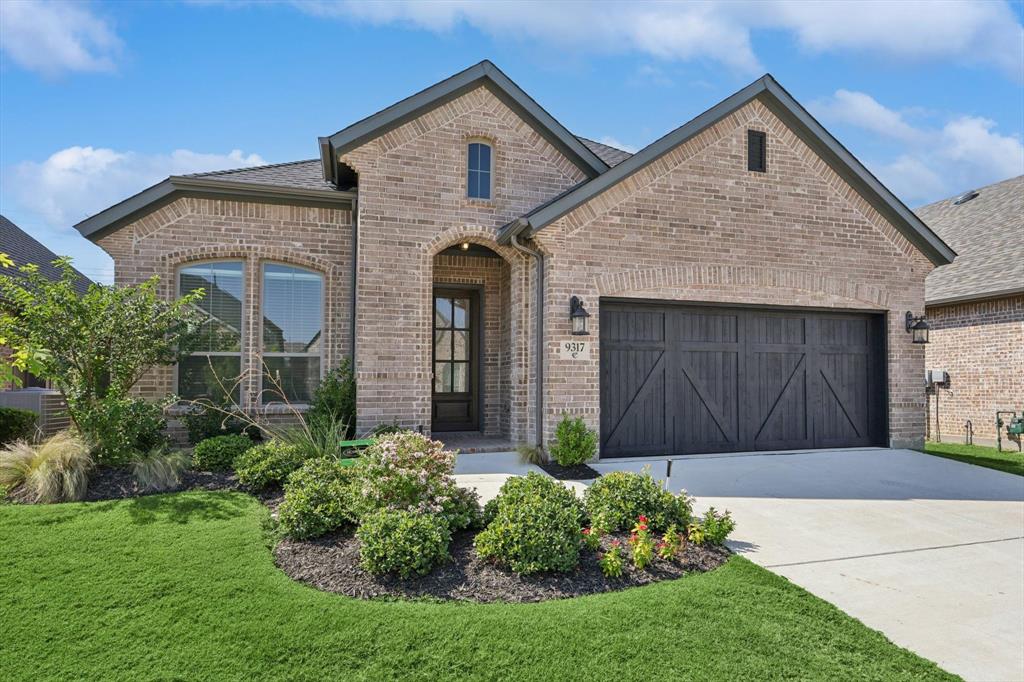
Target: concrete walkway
x: 927, y: 550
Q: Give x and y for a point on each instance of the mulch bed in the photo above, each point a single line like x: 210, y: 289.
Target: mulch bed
x: 331, y: 563
x: 578, y: 472
x: 112, y: 483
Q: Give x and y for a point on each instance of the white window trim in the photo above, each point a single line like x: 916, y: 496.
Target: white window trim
x: 258, y: 349
x: 490, y: 170
x: 241, y: 331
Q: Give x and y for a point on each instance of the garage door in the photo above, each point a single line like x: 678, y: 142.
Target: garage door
x: 687, y: 379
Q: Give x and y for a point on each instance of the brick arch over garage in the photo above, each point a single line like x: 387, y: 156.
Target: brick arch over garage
x: 742, y: 284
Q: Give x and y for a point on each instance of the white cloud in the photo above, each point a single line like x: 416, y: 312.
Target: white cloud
x: 932, y: 163
x: 53, y: 37
x: 963, y: 31
x: 612, y: 142
x: 77, y: 182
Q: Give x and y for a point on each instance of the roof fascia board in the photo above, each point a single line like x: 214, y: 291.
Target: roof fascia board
x: 487, y: 74
x: 164, y: 192
x: 819, y: 139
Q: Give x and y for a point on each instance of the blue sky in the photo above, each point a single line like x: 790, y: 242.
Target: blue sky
x: 99, y: 100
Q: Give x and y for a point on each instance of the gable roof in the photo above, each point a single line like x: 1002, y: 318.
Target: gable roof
x: 797, y: 119
x: 988, y: 235
x: 23, y: 249
x: 612, y: 156
x: 483, y: 74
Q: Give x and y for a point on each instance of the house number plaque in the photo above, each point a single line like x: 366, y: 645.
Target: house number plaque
x: 574, y: 350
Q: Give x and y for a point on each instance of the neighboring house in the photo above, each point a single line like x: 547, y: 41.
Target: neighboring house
x: 746, y: 278
x: 34, y: 393
x: 976, y: 311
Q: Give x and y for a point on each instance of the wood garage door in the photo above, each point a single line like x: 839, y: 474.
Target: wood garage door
x: 686, y: 379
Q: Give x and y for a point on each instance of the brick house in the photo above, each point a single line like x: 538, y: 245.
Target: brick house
x: 976, y: 311
x: 745, y: 277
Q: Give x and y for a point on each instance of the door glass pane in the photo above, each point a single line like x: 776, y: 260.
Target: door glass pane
x: 442, y: 312
x: 442, y: 345
x: 461, y: 313
x: 442, y: 377
x: 461, y: 351
x: 460, y: 377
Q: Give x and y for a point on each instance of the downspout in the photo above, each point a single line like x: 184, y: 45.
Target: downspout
x: 354, y: 283
x: 539, y: 350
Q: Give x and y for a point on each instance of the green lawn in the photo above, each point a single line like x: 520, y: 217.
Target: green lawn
x: 183, y: 587
x: 1010, y: 461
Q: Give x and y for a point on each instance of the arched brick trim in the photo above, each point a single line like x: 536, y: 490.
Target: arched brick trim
x: 473, y: 234
x: 163, y: 217
x: 752, y: 276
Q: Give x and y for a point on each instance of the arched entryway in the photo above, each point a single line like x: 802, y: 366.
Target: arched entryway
x: 471, y: 352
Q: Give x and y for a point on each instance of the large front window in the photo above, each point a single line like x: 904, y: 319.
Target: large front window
x: 213, y: 369
x: 292, y: 312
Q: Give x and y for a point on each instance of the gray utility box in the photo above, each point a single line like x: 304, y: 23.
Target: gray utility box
x: 45, y: 402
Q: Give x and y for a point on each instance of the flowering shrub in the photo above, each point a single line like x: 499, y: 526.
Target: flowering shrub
x: 536, y: 526
x: 268, y: 463
x: 615, y: 500
x: 402, y: 542
x: 409, y: 472
x: 641, y: 543
x: 317, y: 499
x: 671, y: 544
x: 611, y: 561
x: 592, y: 538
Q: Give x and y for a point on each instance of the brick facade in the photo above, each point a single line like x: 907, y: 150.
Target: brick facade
x: 191, y: 230
x: 981, y: 345
x: 696, y: 225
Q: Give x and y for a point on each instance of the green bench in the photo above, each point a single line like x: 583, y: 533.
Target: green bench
x: 354, y: 445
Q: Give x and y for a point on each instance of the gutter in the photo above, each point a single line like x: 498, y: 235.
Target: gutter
x: 520, y: 226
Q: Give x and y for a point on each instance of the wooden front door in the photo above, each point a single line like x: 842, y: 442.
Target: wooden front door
x: 456, y: 354
x: 681, y: 379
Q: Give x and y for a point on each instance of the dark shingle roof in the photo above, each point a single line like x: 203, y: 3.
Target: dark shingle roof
x: 307, y: 174
x: 610, y: 155
x: 23, y: 249
x: 987, y: 233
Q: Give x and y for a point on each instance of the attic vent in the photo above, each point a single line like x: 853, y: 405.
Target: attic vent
x: 757, y: 148
x: 965, y: 197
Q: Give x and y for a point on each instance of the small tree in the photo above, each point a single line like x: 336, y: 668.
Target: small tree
x: 95, y: 346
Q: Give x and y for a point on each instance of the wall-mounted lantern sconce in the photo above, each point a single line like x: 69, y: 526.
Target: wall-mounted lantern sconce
x: 464, y: 246
x: 578, y: 316
x: 917, y: 326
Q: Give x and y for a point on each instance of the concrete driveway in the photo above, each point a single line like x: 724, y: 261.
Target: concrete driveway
x: 927, y: 550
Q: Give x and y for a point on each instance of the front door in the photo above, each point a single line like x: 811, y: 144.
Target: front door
x: 456, y: 349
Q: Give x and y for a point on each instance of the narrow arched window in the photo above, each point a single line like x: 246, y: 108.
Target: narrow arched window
x: 478, y: 181
x: 292, y: 325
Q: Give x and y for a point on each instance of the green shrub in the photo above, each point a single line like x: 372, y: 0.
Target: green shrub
x: 715, y: 527
x: 574, y: 442
x: 267, y: 464
x: 160, y: 469
x: 536, y: 526
x: 317, y: 499
x: 121, y: 428
x: 56, y: 470
x: 206, y: 420
x: 402, y: 542
x: 316, y: 437
x: 220, y: 452
x: 16, y: 424
x: 385, y: 429
x: 615, y: 500
x: 407, y: 471
x: 335, y: 399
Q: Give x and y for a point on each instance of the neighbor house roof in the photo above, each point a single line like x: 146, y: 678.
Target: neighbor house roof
x: 484, y: 74
x: 796, y: 117
x: 988, y: 235
x: 612, y: 156
x: 23, y: 249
